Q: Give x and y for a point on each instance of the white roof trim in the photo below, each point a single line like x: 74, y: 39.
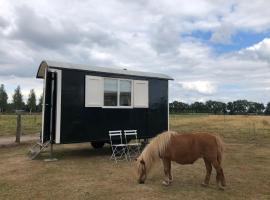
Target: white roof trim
x: 54, y: 64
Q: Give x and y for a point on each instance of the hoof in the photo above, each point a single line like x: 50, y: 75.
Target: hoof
x: 220, y: 187
x: 166, y: 183
x: 204, y: 184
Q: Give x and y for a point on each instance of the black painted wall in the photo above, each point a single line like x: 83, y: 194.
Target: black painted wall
x: 83, y: 124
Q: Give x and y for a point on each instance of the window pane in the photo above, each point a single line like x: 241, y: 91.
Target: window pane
x: 125, y: 93
x: 110, y: 92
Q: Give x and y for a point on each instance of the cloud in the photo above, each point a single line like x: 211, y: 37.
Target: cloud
x: 259, y: 51
x: 146, y: 36
x: 3, y: 22
x: 223, y: 34
x: 38, y: 30
x: 204, y: 87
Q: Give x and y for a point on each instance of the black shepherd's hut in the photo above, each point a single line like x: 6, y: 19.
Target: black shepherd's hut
x: 82, y: 103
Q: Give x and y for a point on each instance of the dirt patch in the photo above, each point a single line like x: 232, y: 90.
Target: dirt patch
x: 8, y: 141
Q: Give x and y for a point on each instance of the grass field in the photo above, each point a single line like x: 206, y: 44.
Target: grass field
x: 30, y: 124
x: 234, y: 128
x: 84, y: 173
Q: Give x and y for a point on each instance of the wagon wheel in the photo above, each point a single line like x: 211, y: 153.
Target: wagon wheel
x: 97, y: 145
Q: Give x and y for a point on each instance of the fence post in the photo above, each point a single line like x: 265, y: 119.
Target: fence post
x: 19, y: 127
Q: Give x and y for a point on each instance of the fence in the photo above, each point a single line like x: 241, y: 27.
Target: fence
x: 233, y: 127
x: 29, y: 124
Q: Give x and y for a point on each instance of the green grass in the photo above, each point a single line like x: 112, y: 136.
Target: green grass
x: 30, y: 124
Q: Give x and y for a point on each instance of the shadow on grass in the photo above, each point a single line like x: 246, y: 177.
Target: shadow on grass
x: 77, y: 151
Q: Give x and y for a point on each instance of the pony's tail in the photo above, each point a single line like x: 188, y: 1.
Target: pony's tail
x: 220, y: 148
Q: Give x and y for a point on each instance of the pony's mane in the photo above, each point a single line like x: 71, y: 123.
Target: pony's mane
x: 155, y: 148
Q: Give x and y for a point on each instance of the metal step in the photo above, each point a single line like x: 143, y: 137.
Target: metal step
x: 36, y: 149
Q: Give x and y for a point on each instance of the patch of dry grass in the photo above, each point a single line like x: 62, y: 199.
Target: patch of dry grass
x: 232, y: 127
x: 85, y: 173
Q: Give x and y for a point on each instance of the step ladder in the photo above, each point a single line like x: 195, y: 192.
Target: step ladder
x: 35, y: 150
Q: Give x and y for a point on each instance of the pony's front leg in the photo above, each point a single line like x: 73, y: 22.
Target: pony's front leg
x: 208, y: 167
x: 167, y: 171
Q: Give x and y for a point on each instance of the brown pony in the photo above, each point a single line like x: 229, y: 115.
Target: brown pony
x: 183, y: 149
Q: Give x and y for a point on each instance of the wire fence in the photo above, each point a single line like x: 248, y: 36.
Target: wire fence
x: 233, y: 127
x: 30, y: 124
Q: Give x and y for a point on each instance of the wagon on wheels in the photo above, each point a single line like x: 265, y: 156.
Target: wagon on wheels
x: 83, y: 103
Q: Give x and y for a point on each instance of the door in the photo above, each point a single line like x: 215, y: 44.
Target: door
x: 50, y: 107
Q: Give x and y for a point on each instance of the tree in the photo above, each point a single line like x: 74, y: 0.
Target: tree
x: 198, y: 107
x: 215, y: 107
x: 230, y: 108
x: 40, y: 102
x: 18, y: 99
x: 31, y: 101
x: 267, y: 110
x: 240, y: 106
x: 251, y: 107
x: 254, y: 107
x: 259, y: 108
x: 3, y: 98
x: 178, y: 107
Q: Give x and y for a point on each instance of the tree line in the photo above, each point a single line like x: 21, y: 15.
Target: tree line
x: 17, y: 102
x: 239, y: 107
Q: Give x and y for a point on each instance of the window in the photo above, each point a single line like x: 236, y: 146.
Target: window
x: 117, y: 93
x: 110, y: 92
x: 125, y: 93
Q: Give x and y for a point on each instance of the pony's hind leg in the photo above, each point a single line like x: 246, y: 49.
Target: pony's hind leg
x: 220, y: 175
x: 167, y: 171
x: 208, y: 167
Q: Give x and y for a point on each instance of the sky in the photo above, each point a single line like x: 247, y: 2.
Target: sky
x: 214, y: 49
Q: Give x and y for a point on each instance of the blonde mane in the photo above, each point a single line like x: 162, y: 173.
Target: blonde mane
x: 155, y: 149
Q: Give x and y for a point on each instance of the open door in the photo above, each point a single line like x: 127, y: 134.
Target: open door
x: 49, y: 115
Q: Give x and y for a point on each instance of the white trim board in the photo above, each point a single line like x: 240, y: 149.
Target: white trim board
x: 58, y: 104
x: 43, y: 105
x: 168, y: 108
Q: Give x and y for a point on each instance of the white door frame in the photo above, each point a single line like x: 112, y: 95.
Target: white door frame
x: 43, y: 104
x: 58, y: 104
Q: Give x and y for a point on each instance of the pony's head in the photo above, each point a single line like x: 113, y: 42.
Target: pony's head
x: 151, y: 153
x: 141, y: 170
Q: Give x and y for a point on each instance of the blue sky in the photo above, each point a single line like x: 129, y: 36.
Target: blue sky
x: 217, y: 50
x: 239, y: 40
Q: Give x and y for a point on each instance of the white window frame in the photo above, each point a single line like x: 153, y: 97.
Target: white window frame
x: 118, y: 93
x: 101, y: 105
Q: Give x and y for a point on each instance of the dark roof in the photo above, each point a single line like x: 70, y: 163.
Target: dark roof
x: 53, y: 64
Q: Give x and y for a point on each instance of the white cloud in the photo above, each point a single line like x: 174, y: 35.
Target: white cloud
x: 223, y: 34
x: 259, y: 51
x: 140, y: 35
x: 204, y: 87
